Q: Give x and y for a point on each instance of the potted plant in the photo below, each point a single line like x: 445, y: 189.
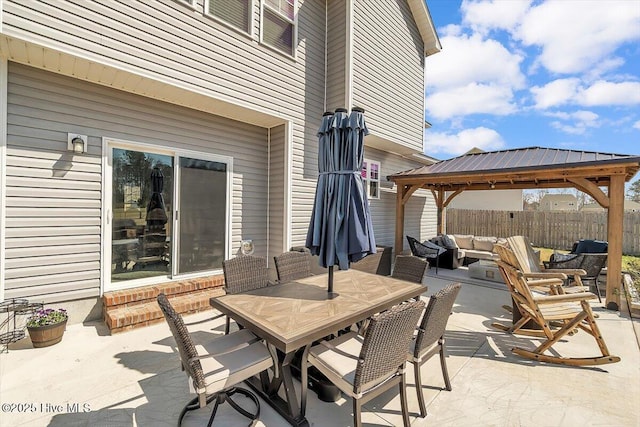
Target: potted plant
x: 46, y: 326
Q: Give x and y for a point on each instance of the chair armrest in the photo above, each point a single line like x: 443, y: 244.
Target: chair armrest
x: 549, y: 299
x: 567, y: 271
x: 542, y: 282
x: 546, y: 275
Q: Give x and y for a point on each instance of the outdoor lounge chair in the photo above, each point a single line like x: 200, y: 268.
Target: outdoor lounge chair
x: 365, y: 367
x: 430, y: 251
x: 430, y: 338
x: 293, y: 265
x: 242, y: 274
x: 529, y: 265
x: 216, y: 366
x: 571, y: 311
x: 410, y: 268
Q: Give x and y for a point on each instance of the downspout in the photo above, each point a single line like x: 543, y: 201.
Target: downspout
x: 4, y: 71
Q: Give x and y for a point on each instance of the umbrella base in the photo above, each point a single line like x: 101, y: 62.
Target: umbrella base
x: 332, y: 295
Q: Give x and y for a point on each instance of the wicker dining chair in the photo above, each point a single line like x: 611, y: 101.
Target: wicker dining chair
x: 216, y: 366
x: 242, y: 274
x: 293, y: 265
x: 410, y: 268
x: 365, y: 367
x: 430, y: 338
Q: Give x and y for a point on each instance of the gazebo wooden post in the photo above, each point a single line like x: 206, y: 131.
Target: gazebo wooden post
x: 401, y: 188
x: 440, y: 205
x: 615, y: 219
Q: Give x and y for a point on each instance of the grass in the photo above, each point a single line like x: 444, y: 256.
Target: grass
x: 630, y: 264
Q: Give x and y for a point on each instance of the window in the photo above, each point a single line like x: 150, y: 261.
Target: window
x: 279, y: 25
x: 236, y: 13
x: 371, y: 178
x: 147, y: 241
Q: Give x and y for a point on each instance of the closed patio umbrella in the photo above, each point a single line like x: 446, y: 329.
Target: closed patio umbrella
x: 156, y: 215
x: 340, y: 230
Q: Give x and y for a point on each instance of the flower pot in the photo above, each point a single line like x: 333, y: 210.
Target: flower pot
x: 44, y: 336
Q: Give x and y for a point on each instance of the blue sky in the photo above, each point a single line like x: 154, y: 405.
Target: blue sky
x: 511, y: 73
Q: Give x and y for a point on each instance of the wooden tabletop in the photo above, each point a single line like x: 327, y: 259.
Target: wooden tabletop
x: 294, y: 314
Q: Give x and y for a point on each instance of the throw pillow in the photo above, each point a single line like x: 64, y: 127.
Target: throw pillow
x: 448, y: 242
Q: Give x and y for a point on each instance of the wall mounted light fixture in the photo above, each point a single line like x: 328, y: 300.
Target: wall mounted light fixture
x: 247, y: 247
x: 76, y: 143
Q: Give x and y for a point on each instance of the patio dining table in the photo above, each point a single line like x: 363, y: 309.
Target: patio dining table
x: 293, y: 315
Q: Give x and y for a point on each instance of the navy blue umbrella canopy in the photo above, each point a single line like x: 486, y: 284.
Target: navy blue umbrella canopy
x: 340, y: 230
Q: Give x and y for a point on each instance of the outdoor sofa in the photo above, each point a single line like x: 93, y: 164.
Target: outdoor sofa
x: 464, y: 249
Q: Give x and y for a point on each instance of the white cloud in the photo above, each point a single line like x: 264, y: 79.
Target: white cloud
x: 457, y: 144
x: 465, y: 59
x: 470, y: 99
x: 608, y: 93
x: 601, y: 93
x: 636, y: 125
x: 558, y: 92
x: 575, y: 123
x: 487, y: 15
x: 472, y: 75
x: 578, y: 35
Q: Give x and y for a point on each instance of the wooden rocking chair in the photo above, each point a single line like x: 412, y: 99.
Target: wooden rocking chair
x: 570, y: 310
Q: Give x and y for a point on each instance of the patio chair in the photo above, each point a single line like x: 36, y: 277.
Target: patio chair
x: 293, y: 265
x: 591, y: 263
x: 570, y: 310
x: 365, y: 367
x: 430, y: 338
x: 242, y: 274
x: 430, y: 251
x: 216, y: 366
x: 410, y: 268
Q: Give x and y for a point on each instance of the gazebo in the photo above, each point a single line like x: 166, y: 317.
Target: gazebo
x: 528, y: 168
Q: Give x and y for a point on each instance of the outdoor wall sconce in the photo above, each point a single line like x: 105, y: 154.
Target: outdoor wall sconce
x: 247, y: 247
x: 492, y: 184
x: 76, y: 143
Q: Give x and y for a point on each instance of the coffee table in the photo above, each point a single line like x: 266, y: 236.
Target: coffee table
x: 485, y: 270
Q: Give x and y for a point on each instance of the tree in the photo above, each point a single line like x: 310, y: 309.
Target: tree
x: 633, y: 191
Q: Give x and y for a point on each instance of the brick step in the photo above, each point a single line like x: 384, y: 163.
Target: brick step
x: 127, y: 317
x: 136, y: 296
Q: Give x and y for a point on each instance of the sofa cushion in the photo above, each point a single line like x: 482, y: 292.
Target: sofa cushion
x: 484, y: 243
x: 464, y: 241
x: 474, y: 253
x: 448, y: 241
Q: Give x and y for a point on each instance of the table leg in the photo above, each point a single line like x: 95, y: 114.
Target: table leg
x: 288, y: 408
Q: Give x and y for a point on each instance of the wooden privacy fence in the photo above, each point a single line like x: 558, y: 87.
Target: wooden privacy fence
x: 555, y: 229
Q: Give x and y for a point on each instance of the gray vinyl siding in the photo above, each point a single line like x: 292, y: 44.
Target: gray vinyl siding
x: 172, y: 42
x: 388, y: 70
x: 278, y: 162
x: 53, y: 199
x: 336, y: 54
x: 420, y: 211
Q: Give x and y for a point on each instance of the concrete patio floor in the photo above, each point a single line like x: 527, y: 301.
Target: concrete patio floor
x: 134, y: 379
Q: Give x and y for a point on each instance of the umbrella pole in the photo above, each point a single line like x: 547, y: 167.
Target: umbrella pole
x: 330, y: 292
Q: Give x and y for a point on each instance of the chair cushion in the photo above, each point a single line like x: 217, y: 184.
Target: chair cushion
x: 558, y: 257
x: 484, y: 243
x: 464, y: 241
x: 339, y: 368
x: 226, y: 370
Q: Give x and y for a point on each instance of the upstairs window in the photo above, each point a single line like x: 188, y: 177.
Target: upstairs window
x: 236, y: 13
x: 371, y: 178
x: 279, y: 25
